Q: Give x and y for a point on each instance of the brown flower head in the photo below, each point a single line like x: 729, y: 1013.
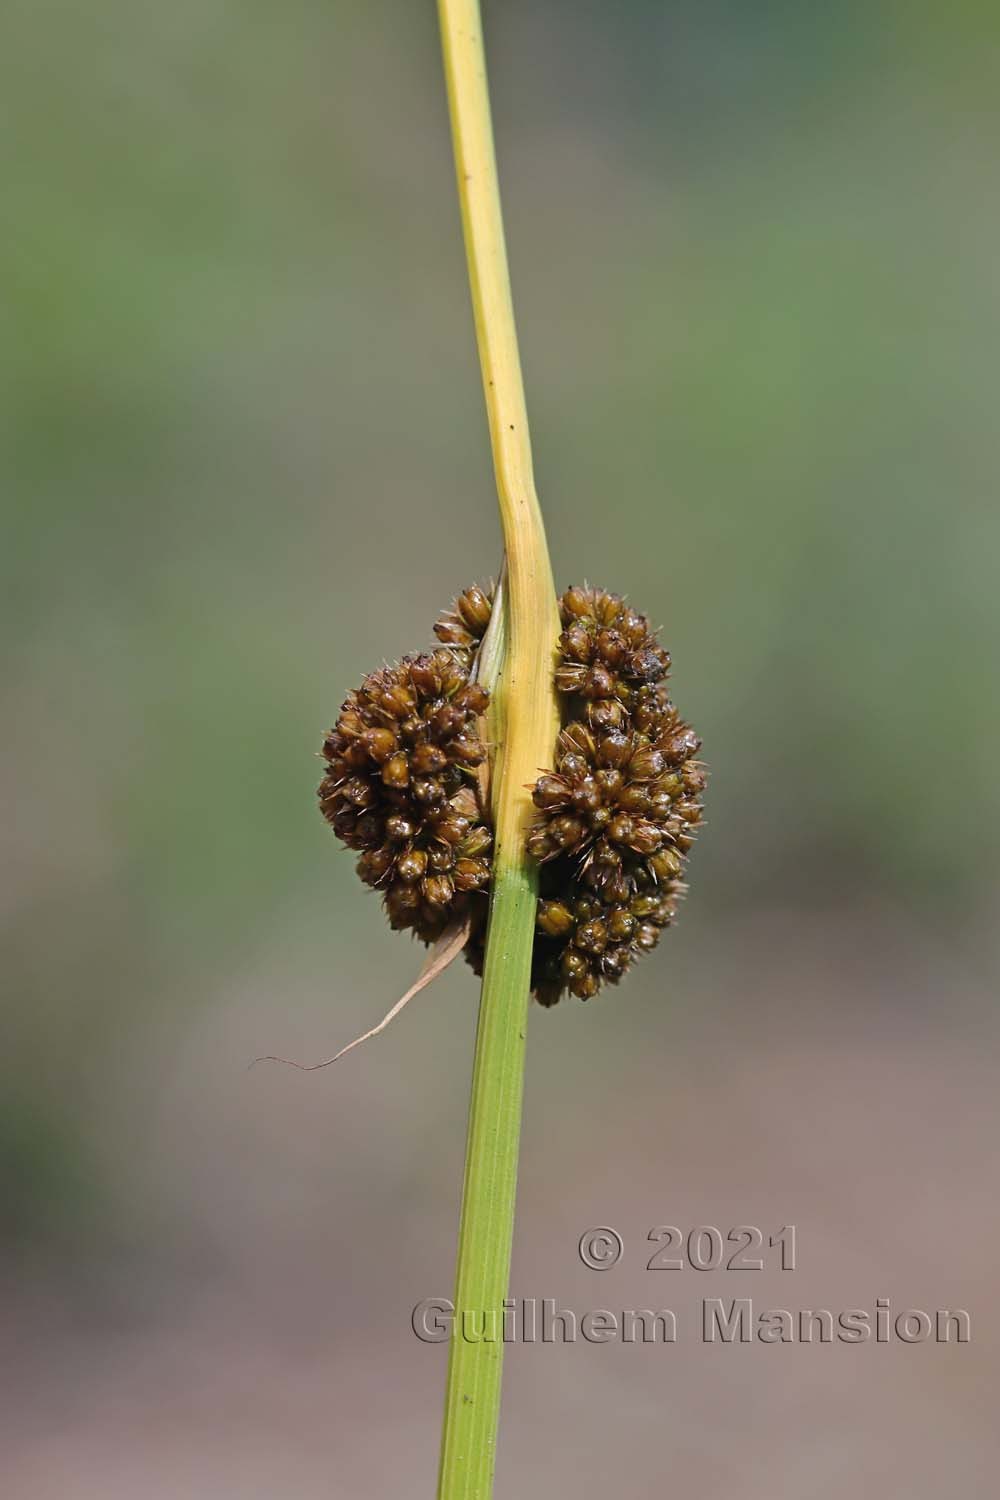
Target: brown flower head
x: 618, y: 810
x: 607, y: 650
x: 620, y: 806
x: 400, y: 788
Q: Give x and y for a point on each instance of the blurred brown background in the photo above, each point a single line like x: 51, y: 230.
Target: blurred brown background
x: 754, y: 257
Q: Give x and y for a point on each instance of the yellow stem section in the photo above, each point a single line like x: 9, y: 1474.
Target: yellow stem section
x: 532, y: 716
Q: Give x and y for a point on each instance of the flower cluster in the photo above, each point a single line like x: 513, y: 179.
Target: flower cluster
x: 619, y: 809
x: 400, y: 787
x: 617, y: 812
x: 464, y: 625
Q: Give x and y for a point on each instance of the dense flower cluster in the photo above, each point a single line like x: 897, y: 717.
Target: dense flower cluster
x: 400, y: 787
x: 617, y: 812
x: 619, y: 809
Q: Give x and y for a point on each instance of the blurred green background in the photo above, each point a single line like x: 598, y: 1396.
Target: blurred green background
x: 754, y: 254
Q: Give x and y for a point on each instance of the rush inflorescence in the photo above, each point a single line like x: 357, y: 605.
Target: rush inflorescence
x: 617, y: 812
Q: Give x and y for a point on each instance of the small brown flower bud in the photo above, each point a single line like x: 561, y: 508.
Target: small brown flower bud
x: 411, y: 865
x: 599, y: 683
x: 350, y: 724
x: 475, y: 607
x: 572, y: 767
x: 345, y: 825
x: 437, y: 890
x: 635, y: 799
x: 681, y: 745
x: 645, y: 906
x: 471, y: 874
x: 576, y: 602
x: 550, y: 792
x: 573, y: 964
x: 578, y: 644
x: 428, y: 759
x: 611, y: 648
x: 555, y: 918
x: 577, y: 739
x: 614, y: 750
x: 665, y: 864
x: 398, y: 700
x: 358, y: 792
x: 477, y: 842
x: 567, y: 831
x: 399, y: 828
x: 451, y: 828
x: 428, y: 792
x: 620, y: 829
x: 570, y: 677
x: 467, y: 749
x: 585, y: 986
x: 645, y: 764
x: 694, y: 778
x: 464, y: 803
x: 614, y: 963
x: 374, y: 865
x: 466, y: 622
x: 606, y: 715
x: 645, y: 837
x: 396, y: 771
x: 689, y: 811
x: 592, y: 937
x: 541, y: 845
x: 621, y: 925
x: 379, y: 744
x: 401, y: 901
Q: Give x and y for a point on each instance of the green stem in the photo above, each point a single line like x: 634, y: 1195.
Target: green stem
x: 525, y: 723
x: 472, y: 1399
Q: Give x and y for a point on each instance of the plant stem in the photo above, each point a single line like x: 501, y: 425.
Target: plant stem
x: 527, y: 715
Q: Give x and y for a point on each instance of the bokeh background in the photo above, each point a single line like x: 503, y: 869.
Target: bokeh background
x: 754, y: 255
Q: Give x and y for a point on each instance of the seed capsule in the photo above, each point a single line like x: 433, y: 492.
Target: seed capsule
x: 465, y: 623
x: 428, y: 792
x: 645, y: 764
x: 411, y: 865
x: 427, y: 759
x: 473, y: 698
x: 379, y: 744
x: 398, y: 700
x: 374, y: 865
x: 478, y: 841
x: 550, y: 792
x: 592, y: 937
x: 469, y: 750
x: 396, y: 771
x: 585, y: 986
x: 555, y: 918
x: 437, y: 890
x: 471, y: 874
